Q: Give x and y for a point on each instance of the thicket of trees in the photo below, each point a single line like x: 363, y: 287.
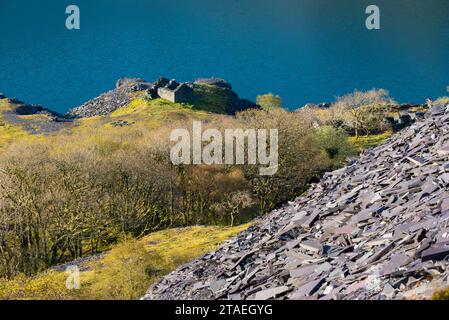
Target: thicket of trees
x: 269, y: 101
x: 359, y: 112
x: 73, y: 194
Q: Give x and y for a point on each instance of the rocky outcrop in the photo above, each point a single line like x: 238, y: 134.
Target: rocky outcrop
x: 216, y: 82
x: 110, y: 101
x: 132, y: 84
x: 170, y: 90
x: 376, y: 229
x: 404, y: 115
x: 125, y: 91
x: 322, y: 105
x: 238, y: 105
x: 219, y: 94
x: 46, y: 121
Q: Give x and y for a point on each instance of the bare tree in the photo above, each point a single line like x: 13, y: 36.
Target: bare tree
x: 233, y: 203
x: 363, y: 110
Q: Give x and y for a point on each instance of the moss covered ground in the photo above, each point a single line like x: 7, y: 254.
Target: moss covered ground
x: 127, y: 270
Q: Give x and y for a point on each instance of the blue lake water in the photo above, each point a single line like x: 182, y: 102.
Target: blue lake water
x: 303, y: 50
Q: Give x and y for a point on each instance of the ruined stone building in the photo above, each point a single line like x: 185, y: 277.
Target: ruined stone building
x: 176, y: 92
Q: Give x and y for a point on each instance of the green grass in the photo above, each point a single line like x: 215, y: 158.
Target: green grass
x: 211, y: 98
x: 154, y: 108
x: 9, y: 132
x: 363, y: 142
x: 156, y: 113
x: 441, y: 294
x: 127, y: 270
x: 4, y: 103
x: 441, y: 100
x: 418, y: 109
x: 152, y: 114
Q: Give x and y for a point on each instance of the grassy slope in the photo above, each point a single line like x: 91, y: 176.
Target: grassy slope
x: 8, y: 132
x: 364, y: 142
x: 140, y: 112
x: 212, y: 99
x: 127, y: 270
x: 156, y: 254
x: 150, y: 113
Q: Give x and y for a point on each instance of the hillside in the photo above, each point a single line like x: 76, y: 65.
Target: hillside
x: 132, y: 101
x: 375, y: 229
x: 74, y: 186
x: 125, y: 271
x: 212, y: 95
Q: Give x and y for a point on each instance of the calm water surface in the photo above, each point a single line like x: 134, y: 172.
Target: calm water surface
x: 303, y: 50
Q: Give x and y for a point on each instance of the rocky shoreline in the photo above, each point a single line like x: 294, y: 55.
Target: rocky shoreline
x: 375, y: 229
x: 125, y: 91
x: 126, y: 88
x: 49, y: 121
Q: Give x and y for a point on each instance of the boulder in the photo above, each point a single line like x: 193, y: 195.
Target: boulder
x: 160, y: 83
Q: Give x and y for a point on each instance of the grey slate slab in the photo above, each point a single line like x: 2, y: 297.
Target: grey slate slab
x: 271, y: 293
x: 307, y: 289
x: 311, y: 245
x: 444, y: 178
x: 310, y: 220
x: 435, y: 253
x: 303, y: 271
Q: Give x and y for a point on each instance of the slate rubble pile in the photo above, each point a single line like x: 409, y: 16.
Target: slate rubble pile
x: 110, y: 101
x: 375, y: 229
